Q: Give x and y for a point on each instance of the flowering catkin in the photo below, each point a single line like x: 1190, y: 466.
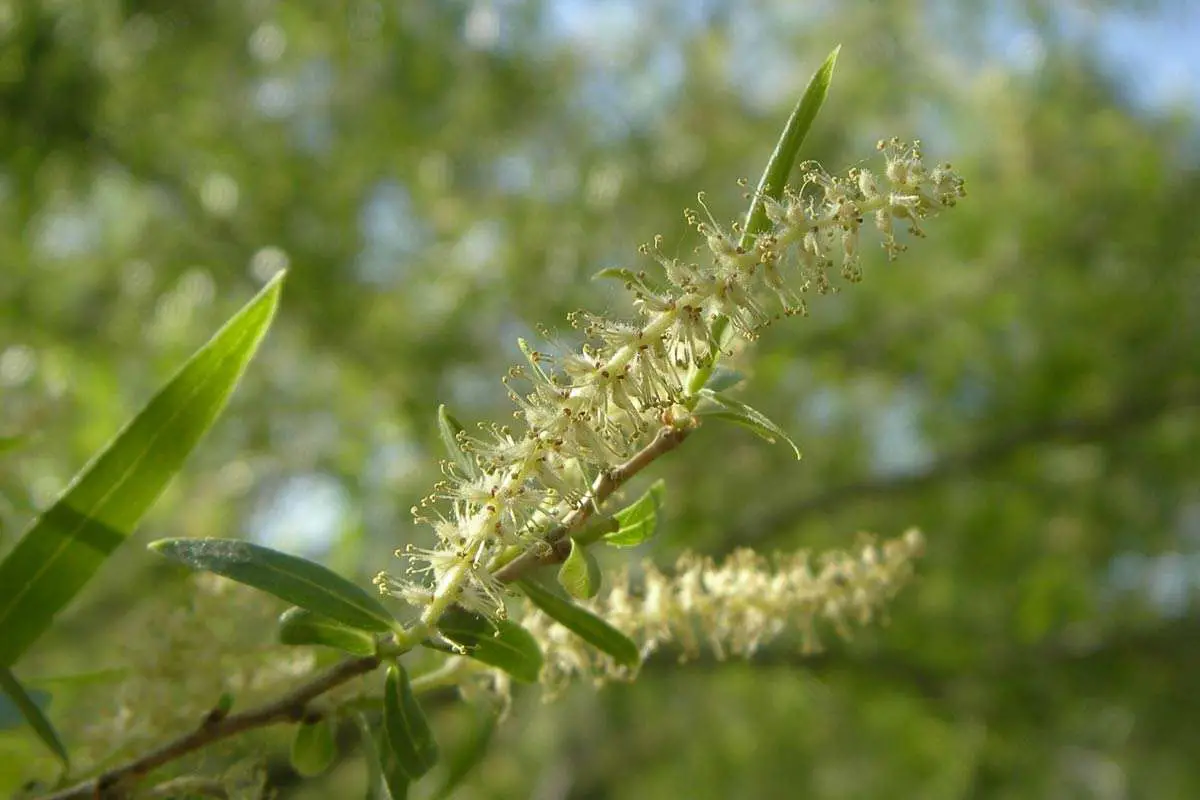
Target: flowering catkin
x: 587, y: 410
x: 731, y: 608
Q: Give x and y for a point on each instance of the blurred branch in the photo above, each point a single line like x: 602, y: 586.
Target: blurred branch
x: 291, y: 707
x: 1126, y: 416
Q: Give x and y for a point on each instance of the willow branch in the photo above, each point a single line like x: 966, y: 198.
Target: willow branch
x: 666, y: 440
x: 291, y: 707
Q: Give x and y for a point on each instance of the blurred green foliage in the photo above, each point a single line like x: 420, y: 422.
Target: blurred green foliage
x: 441, y: 177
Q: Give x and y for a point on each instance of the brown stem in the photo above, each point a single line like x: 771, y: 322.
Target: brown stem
x: 667, y: 439
x: 291, y: 707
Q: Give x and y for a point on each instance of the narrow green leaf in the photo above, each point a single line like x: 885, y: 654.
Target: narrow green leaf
x: 296, y: 580
x: 583, y: 623
x: 724, y: 378
x: 449, y: 428
x: 617, y: 273
x: 65, y: 546
x: 29, y: 707
x: 779, y: 166
x: 502, y: 643
x: 580, y: 574
x: 638, y: 521
x: 385, y: 780
x: 299, y: 626
x: 774, y: 179
x: 466, y: 758
x: 313, y: 747
x: 408, y: 733
x: 737, y: 412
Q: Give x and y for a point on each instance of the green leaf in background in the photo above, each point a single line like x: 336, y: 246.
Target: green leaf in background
x: 299, y: 626
x: 299, y: 581
x: 449, y: 428
x: 580, y: 574
x: 502, y: 643
x: 408, y: 734
x: 65, y: 546
x: 11, y: 441
x: 313, y: 747
x: 737, y: 412
x: 638, y: 521
x: 29, y: 706
x: 774, y: 179
x: 385, y: 779
x: 583, y: 623
x: 468, y: 756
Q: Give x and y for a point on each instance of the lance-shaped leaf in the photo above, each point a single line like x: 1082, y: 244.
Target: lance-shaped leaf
x: 724, y: 378
x: 580, y: 574
x: 385, y: 779
x: 299, y: 581
x: 583, y: 623
x: 26, y: 704
x: 638, y: 521
x: 723, y: 407
x: 313, y: 747
x: 500, y: 643
x: 299, y: 626
x: 408, y: 734
x: 449, y: 428
x: 774, y: 179
x: 65, y: 546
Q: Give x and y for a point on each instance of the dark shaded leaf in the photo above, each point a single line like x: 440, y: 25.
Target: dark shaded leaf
x: 29, y: 706
x: 500, y: 643
x: 466, y: 758
x: 583, y: 623
x: 299, y: 626
x: 408, y: 734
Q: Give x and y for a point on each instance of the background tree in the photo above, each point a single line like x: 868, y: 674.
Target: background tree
x: 442, y: 176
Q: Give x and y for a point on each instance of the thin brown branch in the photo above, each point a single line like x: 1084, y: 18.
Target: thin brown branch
x: 666, y: 440
x: 291, y: 707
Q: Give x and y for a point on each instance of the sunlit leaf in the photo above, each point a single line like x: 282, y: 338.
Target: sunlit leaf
x: 638, y: 521
x: 299, y: 581
x: 500, y: 643
x: 583, y: 623
x: 774, y: 179
x: 299, y: 626
x: 408, y: 733
x: 580, y: 574
x: 65, y: 546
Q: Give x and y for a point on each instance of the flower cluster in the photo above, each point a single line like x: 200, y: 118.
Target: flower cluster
x: 734, y: 607
x: 585, y: 411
